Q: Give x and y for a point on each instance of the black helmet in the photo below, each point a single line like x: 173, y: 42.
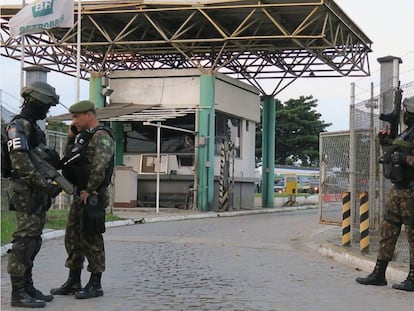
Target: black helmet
x: 41, y: 92
x: 408, y: 104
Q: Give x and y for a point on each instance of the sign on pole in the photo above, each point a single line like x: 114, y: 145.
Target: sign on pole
x: 40, y: 15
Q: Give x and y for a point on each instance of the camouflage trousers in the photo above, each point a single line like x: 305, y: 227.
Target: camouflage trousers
x: 80, y: 245
x: 399, y: 210
x: 31, y: 207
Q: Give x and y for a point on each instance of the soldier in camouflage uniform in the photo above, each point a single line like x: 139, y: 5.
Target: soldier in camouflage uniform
x: 399, y: 167
x: 88, y: 164
x: 29, y: 193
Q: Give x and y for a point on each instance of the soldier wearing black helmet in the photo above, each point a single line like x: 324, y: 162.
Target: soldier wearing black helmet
x: 29, y: 193
x: 399, y: 205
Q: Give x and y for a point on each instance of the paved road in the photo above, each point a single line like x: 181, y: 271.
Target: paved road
x: 255, y: 262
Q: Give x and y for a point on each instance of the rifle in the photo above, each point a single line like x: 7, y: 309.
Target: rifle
x: 393, y: 118
x: 39, y: 158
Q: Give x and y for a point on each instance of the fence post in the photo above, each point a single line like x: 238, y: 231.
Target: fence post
x: 346, y: 218
x: 364, y: 222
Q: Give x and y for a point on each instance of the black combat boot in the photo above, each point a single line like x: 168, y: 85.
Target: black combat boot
x: 20, y: 297
x: 408, y: 284
x: 93, y: 288
x: 72, y: 284
x: 377, y: 277
x: 34, y: 292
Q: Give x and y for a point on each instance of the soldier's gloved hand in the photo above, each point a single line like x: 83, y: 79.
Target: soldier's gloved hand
x: 398, y: 158
x: 53, y: 190
x: 384, y: 137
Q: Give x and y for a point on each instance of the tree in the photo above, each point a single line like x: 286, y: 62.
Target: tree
x: 298, y: 126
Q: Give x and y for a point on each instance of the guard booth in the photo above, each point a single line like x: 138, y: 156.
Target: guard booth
x: 165, y: 136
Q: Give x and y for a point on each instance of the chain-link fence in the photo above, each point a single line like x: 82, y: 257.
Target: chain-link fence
x: 334, y: 174
x: 348, y: 162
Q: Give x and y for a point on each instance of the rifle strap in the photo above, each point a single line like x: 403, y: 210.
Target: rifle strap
x: 405, y: 144
x: 401, y: 139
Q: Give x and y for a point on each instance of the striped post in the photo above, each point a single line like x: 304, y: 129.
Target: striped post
x: 346, y: 219
x: 364, y: 222
x: 223, y: 193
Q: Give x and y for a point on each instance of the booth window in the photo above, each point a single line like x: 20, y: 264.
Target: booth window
x: 149, y: 164
x: 228, y: 128
x: 142, y: 138
x: 185, y: 160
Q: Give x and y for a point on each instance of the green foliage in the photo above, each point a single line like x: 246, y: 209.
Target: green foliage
x: 298, y: 126
x: 56, y: 219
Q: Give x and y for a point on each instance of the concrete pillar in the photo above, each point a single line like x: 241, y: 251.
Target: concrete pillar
x: 268, y: 150
x: 206, y: 135
x: 37, y: 73
x: 390, y: 75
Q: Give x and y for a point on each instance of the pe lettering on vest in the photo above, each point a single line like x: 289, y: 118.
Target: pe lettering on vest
x: 15, y: 143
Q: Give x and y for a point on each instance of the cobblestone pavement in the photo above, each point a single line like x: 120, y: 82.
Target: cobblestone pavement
x: 255, y: 262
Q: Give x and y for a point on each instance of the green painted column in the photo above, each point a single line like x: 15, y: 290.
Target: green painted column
x: 268, y: 150
x: 118, y: 132
x: 206, y: 135
x: 95, y: 90
x: 95, y: 96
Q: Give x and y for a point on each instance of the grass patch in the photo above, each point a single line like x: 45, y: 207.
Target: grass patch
x: 8, y: 225
x: 56, y: 219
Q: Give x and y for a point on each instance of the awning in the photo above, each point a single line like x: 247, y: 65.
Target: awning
x: 133, y: 112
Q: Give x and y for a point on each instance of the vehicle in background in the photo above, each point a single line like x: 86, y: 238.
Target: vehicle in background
x: 280, y: 186
x: 314, y: 186
x: 310, y: 186
x: 281, y: 171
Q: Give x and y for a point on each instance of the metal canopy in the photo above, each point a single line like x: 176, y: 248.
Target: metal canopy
x: 252, y: 41
x: 133, y: 112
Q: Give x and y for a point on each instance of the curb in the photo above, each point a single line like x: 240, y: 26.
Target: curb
x: 395, y: 271
x: 220, y: 214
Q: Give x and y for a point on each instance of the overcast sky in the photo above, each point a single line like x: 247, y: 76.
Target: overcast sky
x: 387, y: 23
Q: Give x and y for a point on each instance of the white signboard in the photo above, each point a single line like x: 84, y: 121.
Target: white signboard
x: 40, y: 15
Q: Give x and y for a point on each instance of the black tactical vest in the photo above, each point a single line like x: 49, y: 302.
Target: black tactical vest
x: 399, y: 174
x: 76, y: 166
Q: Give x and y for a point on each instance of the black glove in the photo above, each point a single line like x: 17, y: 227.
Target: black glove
x: 384, y: 139
x: 398, y: 158
x: 53, y: 190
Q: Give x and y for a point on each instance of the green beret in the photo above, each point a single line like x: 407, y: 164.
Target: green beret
x: 82, y: 106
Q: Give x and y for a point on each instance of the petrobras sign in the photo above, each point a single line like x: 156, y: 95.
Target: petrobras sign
x: 40, y: 15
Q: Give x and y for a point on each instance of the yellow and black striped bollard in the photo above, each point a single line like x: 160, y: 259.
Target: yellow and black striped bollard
x: 346, y: 218
x: 364, y: 222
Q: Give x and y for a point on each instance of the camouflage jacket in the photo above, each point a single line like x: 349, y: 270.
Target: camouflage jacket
x: 20, y: 130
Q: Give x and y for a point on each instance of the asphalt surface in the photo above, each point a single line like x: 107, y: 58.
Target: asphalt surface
x: 246, y: 260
